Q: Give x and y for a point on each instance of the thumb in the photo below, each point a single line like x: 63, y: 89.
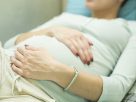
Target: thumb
x: 29, y: 47
x: 90, y: 42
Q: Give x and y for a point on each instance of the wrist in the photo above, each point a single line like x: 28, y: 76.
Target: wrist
x: 19, y: 38
x: 63, y: 74
x: 51, y: 31
x: 55, y: 30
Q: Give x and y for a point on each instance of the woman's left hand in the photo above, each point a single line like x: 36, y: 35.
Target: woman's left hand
x: 34, y: 63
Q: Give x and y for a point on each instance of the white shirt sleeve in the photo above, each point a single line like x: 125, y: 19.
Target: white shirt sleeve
x: 116, y: 86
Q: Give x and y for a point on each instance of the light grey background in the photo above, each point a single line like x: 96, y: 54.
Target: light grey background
x: 17, y: 16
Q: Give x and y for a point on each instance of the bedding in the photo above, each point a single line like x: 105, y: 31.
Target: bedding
x: 13, y: 85
x: 25, y: 98
x: 77, y: 7
x: 131, y: 96
x: 106, y: 50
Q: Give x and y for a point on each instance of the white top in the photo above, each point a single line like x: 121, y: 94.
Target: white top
x: 110, y: 38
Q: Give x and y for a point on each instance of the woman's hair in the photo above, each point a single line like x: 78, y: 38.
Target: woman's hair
x: 124, y: 2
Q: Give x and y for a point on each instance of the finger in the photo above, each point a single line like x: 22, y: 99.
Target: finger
x: 17, y: 70
x: 69, y: 44
x: 86, y: 43
x: 82, y: 56
x: 16, y: 62
x: 21, y: 50
x: 90, y: 42
x: 87, y: 56
x: 82, y: 44
x: 73, y: 49
x: 82, y: 47
x: 76, y: 44
x: 78, y: 47
x: 87, y: 50
x: 87, y: 39
x: 19, y: 56
x: 28, y: 47
x: 91, y: 57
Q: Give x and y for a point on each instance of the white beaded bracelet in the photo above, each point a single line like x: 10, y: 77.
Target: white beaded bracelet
x: 73, y: 80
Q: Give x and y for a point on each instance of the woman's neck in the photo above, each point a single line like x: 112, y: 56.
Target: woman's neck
x: 103, y: 15
x: 106, y: 14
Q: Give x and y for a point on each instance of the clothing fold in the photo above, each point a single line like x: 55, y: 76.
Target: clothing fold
x: 13, y: 85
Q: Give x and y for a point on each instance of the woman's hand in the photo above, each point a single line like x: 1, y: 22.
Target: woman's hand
x: 79, y: 45
x: 35, y: 63
x: 73, y: 39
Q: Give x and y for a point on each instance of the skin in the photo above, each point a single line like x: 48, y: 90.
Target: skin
x: 37, y: 63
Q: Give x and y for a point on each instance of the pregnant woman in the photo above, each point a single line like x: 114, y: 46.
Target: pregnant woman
x: 65, y: 77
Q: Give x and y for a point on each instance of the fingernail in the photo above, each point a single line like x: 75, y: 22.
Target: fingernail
x: 91, y: 44
x: 88, y: 63
x: 77, y: 54
x: 26, y: 45
x: 92, y: 59
x: 11, y: 64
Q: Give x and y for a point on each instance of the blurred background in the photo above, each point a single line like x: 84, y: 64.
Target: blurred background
x: 17, y: 16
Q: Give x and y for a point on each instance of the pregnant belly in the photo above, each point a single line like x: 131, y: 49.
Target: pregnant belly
x: 57, y: 49
x: 63, y: 54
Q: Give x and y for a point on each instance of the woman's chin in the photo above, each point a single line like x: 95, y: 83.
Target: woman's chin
x: 93, y: 7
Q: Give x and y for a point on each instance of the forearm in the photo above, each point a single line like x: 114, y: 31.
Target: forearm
x: 86, y: 85
x: 24, y: 36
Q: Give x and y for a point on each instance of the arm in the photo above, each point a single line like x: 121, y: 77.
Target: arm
x: 123, y: 77
x: 91, y: 87
x: 27, y: 35
x: 114, y: 88
x: 86, y: 85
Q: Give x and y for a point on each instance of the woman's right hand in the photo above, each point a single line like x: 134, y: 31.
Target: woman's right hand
x: 73, y: 39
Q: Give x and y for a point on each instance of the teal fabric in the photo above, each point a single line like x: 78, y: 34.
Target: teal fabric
x: 129, y: 10
x: 78, y: 7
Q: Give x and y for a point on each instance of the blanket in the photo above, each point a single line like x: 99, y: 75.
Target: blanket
x: 16, y: 87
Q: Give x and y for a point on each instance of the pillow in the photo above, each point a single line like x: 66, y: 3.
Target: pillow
x: 129, y: 10
x: 130, y: 98
x: 78, y: 7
